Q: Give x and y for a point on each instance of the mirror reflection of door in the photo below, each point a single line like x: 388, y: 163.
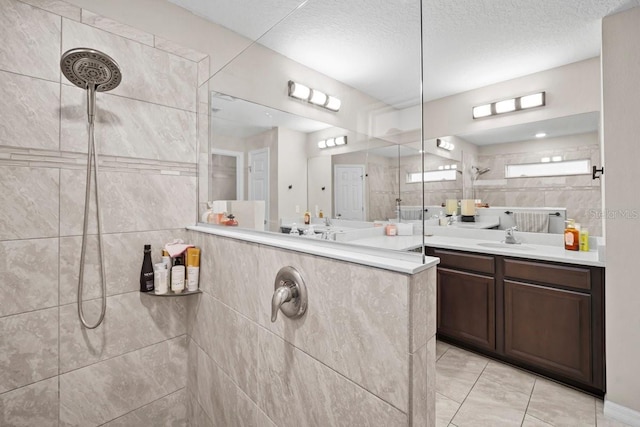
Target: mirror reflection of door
x: 226, y: 175
x: 349, y: 191
x: 259, y: 178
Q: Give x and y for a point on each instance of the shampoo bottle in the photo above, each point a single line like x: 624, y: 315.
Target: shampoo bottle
x: 307, y: 217
x: 146, y: 273
x: 177, y: 276
x: 571, y: 236
x: 160, y: 278
x: 193, y: 269
x: 584, y: 239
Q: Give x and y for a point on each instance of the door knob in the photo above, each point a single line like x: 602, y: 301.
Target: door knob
x: 290, y: 294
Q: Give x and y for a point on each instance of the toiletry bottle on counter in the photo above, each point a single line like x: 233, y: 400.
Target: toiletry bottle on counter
x: 584, y: 240
x: 166, y: 260
x: 160, y: 273
x: 146, y: 273
x: 320, y: 214
x: 307, y: 217
x: 391, y: 230
x: 231, y: 221
x: 177, y: 276
x: 571, y: 236
x: 193, y: 269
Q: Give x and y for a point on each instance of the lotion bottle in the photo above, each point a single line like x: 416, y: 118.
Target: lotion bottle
x: 177, y: 276
x: 571, y: 236
x: 584, y: 240
x: 193, y: 269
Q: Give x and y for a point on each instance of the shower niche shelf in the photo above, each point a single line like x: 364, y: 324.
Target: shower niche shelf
x: 173, y: 294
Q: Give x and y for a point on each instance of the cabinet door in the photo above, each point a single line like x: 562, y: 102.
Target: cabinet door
x: 549, y: 328
x: 466, y: 307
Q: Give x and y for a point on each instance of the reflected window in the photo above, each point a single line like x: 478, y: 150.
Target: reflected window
x: 430, y: 176
x: 547, y: 168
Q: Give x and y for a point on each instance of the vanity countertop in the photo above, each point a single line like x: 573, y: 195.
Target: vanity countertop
x: 535, y: 251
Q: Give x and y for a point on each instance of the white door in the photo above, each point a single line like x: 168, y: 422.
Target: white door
x: 349, y: 189
x: 259, y: 178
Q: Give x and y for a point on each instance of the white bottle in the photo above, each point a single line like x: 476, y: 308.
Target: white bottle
x: 294, y: 229
x: 160, y: 278
x: 177, y: 277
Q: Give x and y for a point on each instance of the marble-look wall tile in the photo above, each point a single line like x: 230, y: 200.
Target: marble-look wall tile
x: 129, y: 202
x: 116, y: 28
x: 216, y: 273
x: 123, y: 254
x: 224, y: 403
x: 148, y: 74
x: 29, y: 109
x: 355, y: 313
x: 422, y: 305
x: 203, y: 71
x: 30, y: 41
x: 196, y: 416
x: 28, y: 202
x: 296, y: 390
x: 178, y: 49
x: 29, y: 348
x: 33, y: 405
x: 170, y: 410
x: 23, y: 287
x: 230, y: 340
x: 102, y: 392
x: 423, y: 385
x: 128, y: 128
x: 133, y: 321
x: 59, y: 7
x: 525, y: 198
x: 192, y: 366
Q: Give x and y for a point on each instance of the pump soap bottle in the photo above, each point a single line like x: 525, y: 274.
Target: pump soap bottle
x: 571, y: 236
x: 146, y: 273
x: 177, y: 276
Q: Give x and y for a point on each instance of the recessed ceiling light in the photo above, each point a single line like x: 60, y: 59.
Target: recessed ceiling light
x: 540, y: 135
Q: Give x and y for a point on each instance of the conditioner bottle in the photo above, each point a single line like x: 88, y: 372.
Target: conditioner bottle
x: 146, y: 273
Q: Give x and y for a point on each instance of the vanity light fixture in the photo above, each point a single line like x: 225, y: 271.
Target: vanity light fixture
x: 545, y: 160
x: 541, y: 135
x: 445, y: 145
x: 556, y: 159
x: 509, y: 105
x: 332, y: 142
x: 314, y: 96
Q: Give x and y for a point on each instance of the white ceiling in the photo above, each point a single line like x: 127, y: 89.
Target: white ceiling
x: 373, y: 45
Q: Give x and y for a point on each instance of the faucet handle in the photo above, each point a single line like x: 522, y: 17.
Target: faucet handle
x: 290, y: 294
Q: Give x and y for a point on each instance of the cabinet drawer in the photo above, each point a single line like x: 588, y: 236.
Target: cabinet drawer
x: 571, y: 277
x: 463, y: 261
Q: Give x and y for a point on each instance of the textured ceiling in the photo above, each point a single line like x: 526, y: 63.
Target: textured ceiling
x: 373, y: 45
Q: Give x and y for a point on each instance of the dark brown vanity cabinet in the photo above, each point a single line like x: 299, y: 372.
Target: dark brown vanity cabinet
x: 546, y: 317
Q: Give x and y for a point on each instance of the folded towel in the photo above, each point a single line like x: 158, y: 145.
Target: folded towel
x: 176, y: 248
x: 534, y: 222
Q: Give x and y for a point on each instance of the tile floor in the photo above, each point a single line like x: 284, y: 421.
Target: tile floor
x: 472, y: 390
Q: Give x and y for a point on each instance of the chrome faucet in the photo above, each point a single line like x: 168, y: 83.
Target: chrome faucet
x: 509, y: 237
x: 327, y: 221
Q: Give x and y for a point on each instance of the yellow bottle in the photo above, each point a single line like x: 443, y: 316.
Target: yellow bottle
x: 307, y: 217
x: 571, y: 236
x: 584, y: 240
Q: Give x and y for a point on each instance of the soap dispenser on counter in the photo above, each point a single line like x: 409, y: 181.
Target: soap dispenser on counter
x: 571, y: 236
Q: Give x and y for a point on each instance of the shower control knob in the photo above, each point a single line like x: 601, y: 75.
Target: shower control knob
x: 290, y: 294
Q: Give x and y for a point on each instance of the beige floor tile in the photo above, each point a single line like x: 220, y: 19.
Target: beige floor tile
x: 510, y: 378
x: 530, y: 421
x: 560, y: 405
x: 445, y: 410
x: 491, y: 404
x: 441, y: 348
x: 456, y: 373
x: 601, y: 419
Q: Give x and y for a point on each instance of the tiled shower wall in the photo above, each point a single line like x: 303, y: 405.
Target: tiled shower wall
x: 132, y: 369
x: 363, y: 353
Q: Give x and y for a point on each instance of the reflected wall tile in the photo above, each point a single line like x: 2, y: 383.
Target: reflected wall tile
x: 23, y: 287
x: 170, y: 410
x: 315, y: 394
x: 33, y: 405
x: 59, y: 7
x: 123, y: 253
x: 228, y: 405
x: 129, y: 202
x: 28, y: 202
x: 102, y: 392
x: 230, y: 340
x: 116, y: 28
x: 30, y: 41
x: 30, y: 112
x: 203, y: 71
x: 149, y: 74
x: 128, y: 128
x: 422, y: 303
x: 178, y: 49
x: 133, y: 321
x: 525, y: 198
x: 31, y: 352
x: 217, y: 273
x: 355, y: 313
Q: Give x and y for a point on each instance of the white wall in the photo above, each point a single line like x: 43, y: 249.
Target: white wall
x: 292, y: 171
x: 319, y: 177
x: 621, y: 86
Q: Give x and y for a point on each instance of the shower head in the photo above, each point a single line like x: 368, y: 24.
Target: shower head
x: 90, y: 69
x: 477, y: 171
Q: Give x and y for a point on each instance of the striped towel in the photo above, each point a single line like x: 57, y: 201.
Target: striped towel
x: 535, y: 222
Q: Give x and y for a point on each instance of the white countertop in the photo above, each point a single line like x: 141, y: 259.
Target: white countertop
x: 402, y: 262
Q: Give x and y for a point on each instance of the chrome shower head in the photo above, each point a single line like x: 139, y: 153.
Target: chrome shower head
x: 89, y: 68
x: 477, y: 171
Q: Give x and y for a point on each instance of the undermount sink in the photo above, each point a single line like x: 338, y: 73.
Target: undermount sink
x: 502, y: 245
